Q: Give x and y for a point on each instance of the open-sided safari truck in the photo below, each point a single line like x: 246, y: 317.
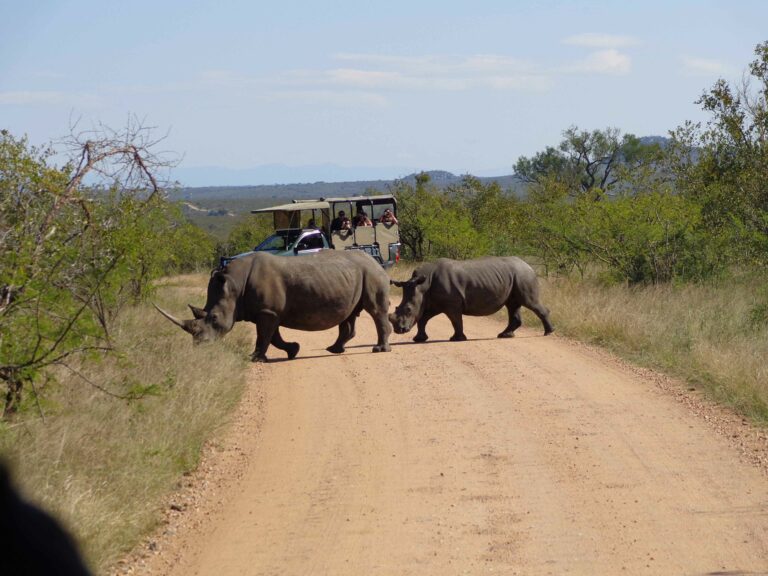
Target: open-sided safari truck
x: 305, y: 227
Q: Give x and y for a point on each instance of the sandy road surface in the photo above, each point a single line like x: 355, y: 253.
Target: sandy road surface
x: 523, y: 456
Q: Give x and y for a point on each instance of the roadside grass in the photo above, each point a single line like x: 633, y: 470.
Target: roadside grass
x: 713, y: 335
x: 103, y: 464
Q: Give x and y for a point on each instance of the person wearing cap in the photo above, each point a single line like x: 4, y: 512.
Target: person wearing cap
x: 341, y: 222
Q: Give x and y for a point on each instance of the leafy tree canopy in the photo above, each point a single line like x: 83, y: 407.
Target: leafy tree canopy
x: 586, y: 161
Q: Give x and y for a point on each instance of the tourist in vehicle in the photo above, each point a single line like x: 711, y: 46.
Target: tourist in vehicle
x: 341, y: 222
x: 362, y: 219
x: 388, y: 217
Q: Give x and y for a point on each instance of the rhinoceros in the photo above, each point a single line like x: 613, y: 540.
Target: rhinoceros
x: 314, y: 292
x: 471, y: 287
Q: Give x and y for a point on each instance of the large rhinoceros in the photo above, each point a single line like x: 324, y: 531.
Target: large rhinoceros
x: 314, y: 292
x: 472, y: 287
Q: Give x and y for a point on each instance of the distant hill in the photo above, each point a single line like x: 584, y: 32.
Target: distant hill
x: 662, y: 141
x: 205, y: 196
x: 204, y: 176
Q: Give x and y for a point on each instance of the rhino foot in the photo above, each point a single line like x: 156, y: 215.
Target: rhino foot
x: 293, y: 350
x: 336, y: 349
x: 458, y: 338
x: 548, y: 331
x: 506, y: 335
x: 257, y: 358
x: 382, y: 348
x: 420, y: 338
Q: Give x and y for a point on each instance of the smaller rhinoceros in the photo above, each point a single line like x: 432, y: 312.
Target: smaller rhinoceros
x: 472, y: 287
x: 314, y: 292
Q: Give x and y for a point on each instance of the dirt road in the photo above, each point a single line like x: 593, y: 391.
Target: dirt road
x: 522, y: 456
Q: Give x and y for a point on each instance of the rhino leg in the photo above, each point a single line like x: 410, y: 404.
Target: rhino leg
x: 458, y: 326
x: 292, y: 348
x: 346, y: 333
x: 515, y: 321
x: 383, y: 330
x: 543, y: 315
x: 266, y: 326
x: 421, y: 327
x: 379, y: 311
x: 375, y: 301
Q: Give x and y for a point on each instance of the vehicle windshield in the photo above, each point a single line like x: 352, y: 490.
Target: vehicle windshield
x: 280, y: 240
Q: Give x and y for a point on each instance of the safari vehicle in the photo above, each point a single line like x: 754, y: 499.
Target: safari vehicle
x: 304, y: 227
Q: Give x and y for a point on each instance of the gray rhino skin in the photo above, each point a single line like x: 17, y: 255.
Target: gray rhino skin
x: 314, y: 292
x: 470, y: 287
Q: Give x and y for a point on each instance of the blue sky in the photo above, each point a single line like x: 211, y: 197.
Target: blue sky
x: 377, y: 88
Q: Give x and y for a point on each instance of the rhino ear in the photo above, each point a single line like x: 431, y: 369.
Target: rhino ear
x: 221, y: 278
x: 198, y: 313
x: 419, y: 280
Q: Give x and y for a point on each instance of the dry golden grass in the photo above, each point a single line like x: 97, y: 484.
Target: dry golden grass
x: 103, y: 464
x: 713, y: 336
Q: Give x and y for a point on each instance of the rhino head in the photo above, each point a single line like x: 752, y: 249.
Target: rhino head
x: 411, y: 306
x: 218, y: 316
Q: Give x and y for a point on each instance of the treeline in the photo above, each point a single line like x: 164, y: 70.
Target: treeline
x: 74, y: 253
x: 642, y: 212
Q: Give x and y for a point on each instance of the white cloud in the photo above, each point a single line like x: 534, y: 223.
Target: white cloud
x: 28, y: 97
x: 476, y: 63
x: 442, y: 73
x: 594, y: 40
x: 602, y: 62
x: 703, y: 66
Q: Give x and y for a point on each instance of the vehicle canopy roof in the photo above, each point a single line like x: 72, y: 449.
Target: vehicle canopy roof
x: 325, y: 203
x: 323, y: 209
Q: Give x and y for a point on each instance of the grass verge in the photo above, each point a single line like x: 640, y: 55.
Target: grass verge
x: 714, y: 336
x: 103, y: 464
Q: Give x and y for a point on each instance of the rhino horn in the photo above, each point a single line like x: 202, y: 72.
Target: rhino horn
x: 185, y: 325
x: 396, y: 283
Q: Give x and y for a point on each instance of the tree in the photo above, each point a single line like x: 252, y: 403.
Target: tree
x: 723, y: 164
x: 434, y: 223
x: 495, y: 215
x: 647, y: 234
x: 66, y: 249
x: 588, y: 161
x: 417, y: 207
x: 248, y: 234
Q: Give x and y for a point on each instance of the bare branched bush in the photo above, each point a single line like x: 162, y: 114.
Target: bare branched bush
x: 78, y: 242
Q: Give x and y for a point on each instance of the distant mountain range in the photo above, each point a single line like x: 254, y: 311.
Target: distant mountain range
x: 262, y: 192
x: 268, y: 174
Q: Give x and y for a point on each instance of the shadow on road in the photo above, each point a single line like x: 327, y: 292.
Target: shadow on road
x: 360, y: 347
